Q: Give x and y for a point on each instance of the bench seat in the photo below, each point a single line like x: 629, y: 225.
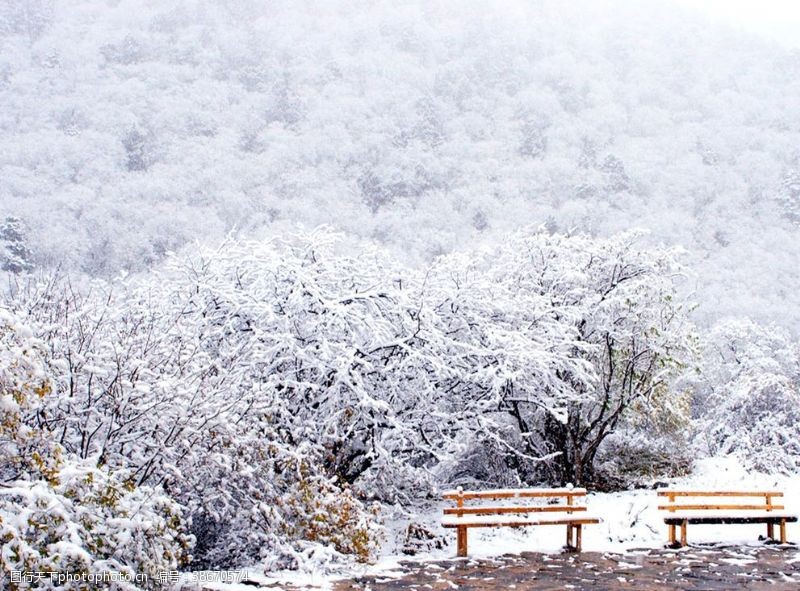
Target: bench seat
x: 711, y: 517
x: 516, y: 520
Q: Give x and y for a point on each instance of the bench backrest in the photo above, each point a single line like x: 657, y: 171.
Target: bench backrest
x: 560, y: 500
x: 687, y: 500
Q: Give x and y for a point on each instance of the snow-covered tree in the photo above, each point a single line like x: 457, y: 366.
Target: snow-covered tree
x: 789, y: 196
x: 15, y: 255
x: 748, y: 402
x: 601, y: 337
x: 275, y: 389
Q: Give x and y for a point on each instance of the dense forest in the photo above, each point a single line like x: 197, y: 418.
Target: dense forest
x: 128, y: 132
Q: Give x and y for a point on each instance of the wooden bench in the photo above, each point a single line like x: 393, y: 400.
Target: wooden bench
x: 561, y: 510
x: 721, y: 507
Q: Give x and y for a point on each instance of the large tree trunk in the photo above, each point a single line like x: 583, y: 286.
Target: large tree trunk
x: 575, y: 465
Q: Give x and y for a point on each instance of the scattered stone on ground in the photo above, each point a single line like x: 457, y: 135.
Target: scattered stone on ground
x: 707, y: 568
x: 420, y: 539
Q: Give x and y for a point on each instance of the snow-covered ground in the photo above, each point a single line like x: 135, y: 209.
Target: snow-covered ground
x: 631, y: 520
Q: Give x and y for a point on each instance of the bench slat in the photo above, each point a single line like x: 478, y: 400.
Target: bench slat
x: 515, y: 493
x: 504, y: 510
x: 677, y: 507
x: 710, y: 519
x: 499, y: 522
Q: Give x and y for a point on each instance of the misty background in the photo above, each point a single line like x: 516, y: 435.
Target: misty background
x: 131, y: 129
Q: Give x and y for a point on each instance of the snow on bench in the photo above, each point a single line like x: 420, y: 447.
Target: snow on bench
x: 462, y: 518
x: 727, y: 507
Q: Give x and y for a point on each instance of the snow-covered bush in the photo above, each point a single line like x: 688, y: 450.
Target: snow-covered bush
x: 759, y: 421
x: 88, y: 521
x: 749, y: 398
x: 317, y: 510
x: 638, y: 458
x: 25, y: 451
x: 65, y: 516
x: 652, y: 441
x: 214, y: 376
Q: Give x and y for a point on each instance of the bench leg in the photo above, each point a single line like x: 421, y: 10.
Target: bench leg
x: 683, y: 533
x: 770, y: 531
x: 569, y: 536
x: 783, y: 531
x: 671, y: 534
x: 461, y: 541
x: 578, y: 529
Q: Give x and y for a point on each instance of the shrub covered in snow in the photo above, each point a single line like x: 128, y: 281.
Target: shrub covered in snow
x: 88, y: 521
x: 226, y: 381
x: 749, y: 400
x: 66, y: 516
x: 637, y: 458
x: 762, y: 423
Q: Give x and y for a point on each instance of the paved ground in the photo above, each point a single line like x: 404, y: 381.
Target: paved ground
x: 708, y: 568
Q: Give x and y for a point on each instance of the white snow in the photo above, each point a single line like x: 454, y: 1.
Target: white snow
x: 478, y: 520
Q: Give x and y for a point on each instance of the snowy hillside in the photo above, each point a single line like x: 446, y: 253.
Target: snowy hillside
x: 128, y: 130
